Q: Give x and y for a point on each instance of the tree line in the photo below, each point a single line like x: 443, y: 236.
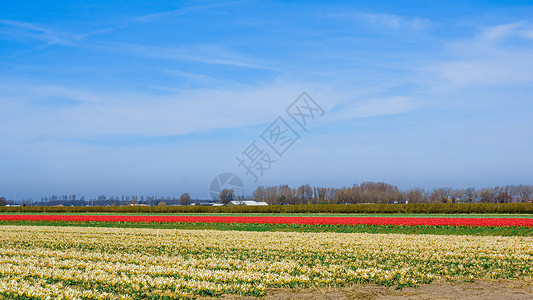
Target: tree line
x: 102, y: 200
x: 384, y: 193
x: 366, y: 192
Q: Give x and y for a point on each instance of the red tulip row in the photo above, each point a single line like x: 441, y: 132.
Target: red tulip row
x: 411, y: 221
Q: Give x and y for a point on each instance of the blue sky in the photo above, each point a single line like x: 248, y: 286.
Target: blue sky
x: 132, y: 97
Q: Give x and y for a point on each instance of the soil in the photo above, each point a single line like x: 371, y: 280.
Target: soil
x: 437, y: 290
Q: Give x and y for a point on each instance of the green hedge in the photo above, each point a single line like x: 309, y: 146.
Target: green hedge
x: 426, y: 208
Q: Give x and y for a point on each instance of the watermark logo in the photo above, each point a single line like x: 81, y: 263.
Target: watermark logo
x: 259, y: 156
x: 279, y: 136
x: 223, y: 181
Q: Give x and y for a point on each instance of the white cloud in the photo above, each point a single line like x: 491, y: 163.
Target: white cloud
x: 529, y: 34
x: 376, y: 107
x: 489, y: 59
x: 188, y: 75
x: 395, y: 21
x: 121, y: 113
x: 24, y: 30
x: 498, y: 70
x: 503, y: 31
x: 173, y: 13
x: 499, y: 32
x: 207, y: 54
x: 385, y: 20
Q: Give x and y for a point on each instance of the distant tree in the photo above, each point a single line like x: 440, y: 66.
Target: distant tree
x: 271, y: 194
x: 305, y: 193
x: 330, y: 195
x: 503, y: 194
x: 469, y: 195
x: 486, y: 195
x: 370, y: 192
x: 2, y: 201
x: 185, y: 199
x: 343, y: 196
x: 414, y: 196
x: 441, y: 195
x: 525, y: 193
x: 286, y: 194
x: 162, y: 203
x: 226, y: 195
x: 321, y: 194
x: 259, y: 194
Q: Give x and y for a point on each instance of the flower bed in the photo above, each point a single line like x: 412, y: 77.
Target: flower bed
x: 400, y: 221
x: 52, y: 262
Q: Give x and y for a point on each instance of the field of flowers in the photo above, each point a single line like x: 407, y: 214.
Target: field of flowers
x: 52, y: 262
x: 397, y: 221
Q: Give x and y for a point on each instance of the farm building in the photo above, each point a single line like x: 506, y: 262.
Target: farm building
x: 247, y: 202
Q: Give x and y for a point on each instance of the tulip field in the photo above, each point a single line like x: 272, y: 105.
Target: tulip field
x: 88, y: 262
x: 398, y: 221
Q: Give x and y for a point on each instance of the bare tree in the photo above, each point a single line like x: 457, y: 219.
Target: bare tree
x: 286, y: 194
x: 414, y: 196
x: 525, y: 193
x: 380, y: 192
x: 305, y: 193
x: 272, y: 194
x: 259, y: 194
x: 185, y: 199
x: 226, y: 195
x: 321, y: 194
x: 486, y: 195
x: 441, y: 195
x: 330, y: 194
x: 502, y: 194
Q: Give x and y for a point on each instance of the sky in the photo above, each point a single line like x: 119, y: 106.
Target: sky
x: 142, y: 98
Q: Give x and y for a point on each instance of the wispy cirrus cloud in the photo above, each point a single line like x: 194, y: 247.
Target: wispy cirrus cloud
x: 25, y: 31
x: 375, y: 107
x: 504, y: 31
x: 28, y: 31
x: 179, y: 12
x: 206, y: 54
x: 389, y: 21
x: 45, y: 36
x: 188, y: 75
x: 499, y: 55
x: 124, y: 113
x: 395, y: 21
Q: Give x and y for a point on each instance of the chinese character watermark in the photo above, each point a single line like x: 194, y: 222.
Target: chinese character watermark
x: 254, y: 159
x: 304, y: 109
x: 279, y: 136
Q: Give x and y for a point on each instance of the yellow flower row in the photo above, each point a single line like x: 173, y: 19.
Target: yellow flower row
x: 133, y: 263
